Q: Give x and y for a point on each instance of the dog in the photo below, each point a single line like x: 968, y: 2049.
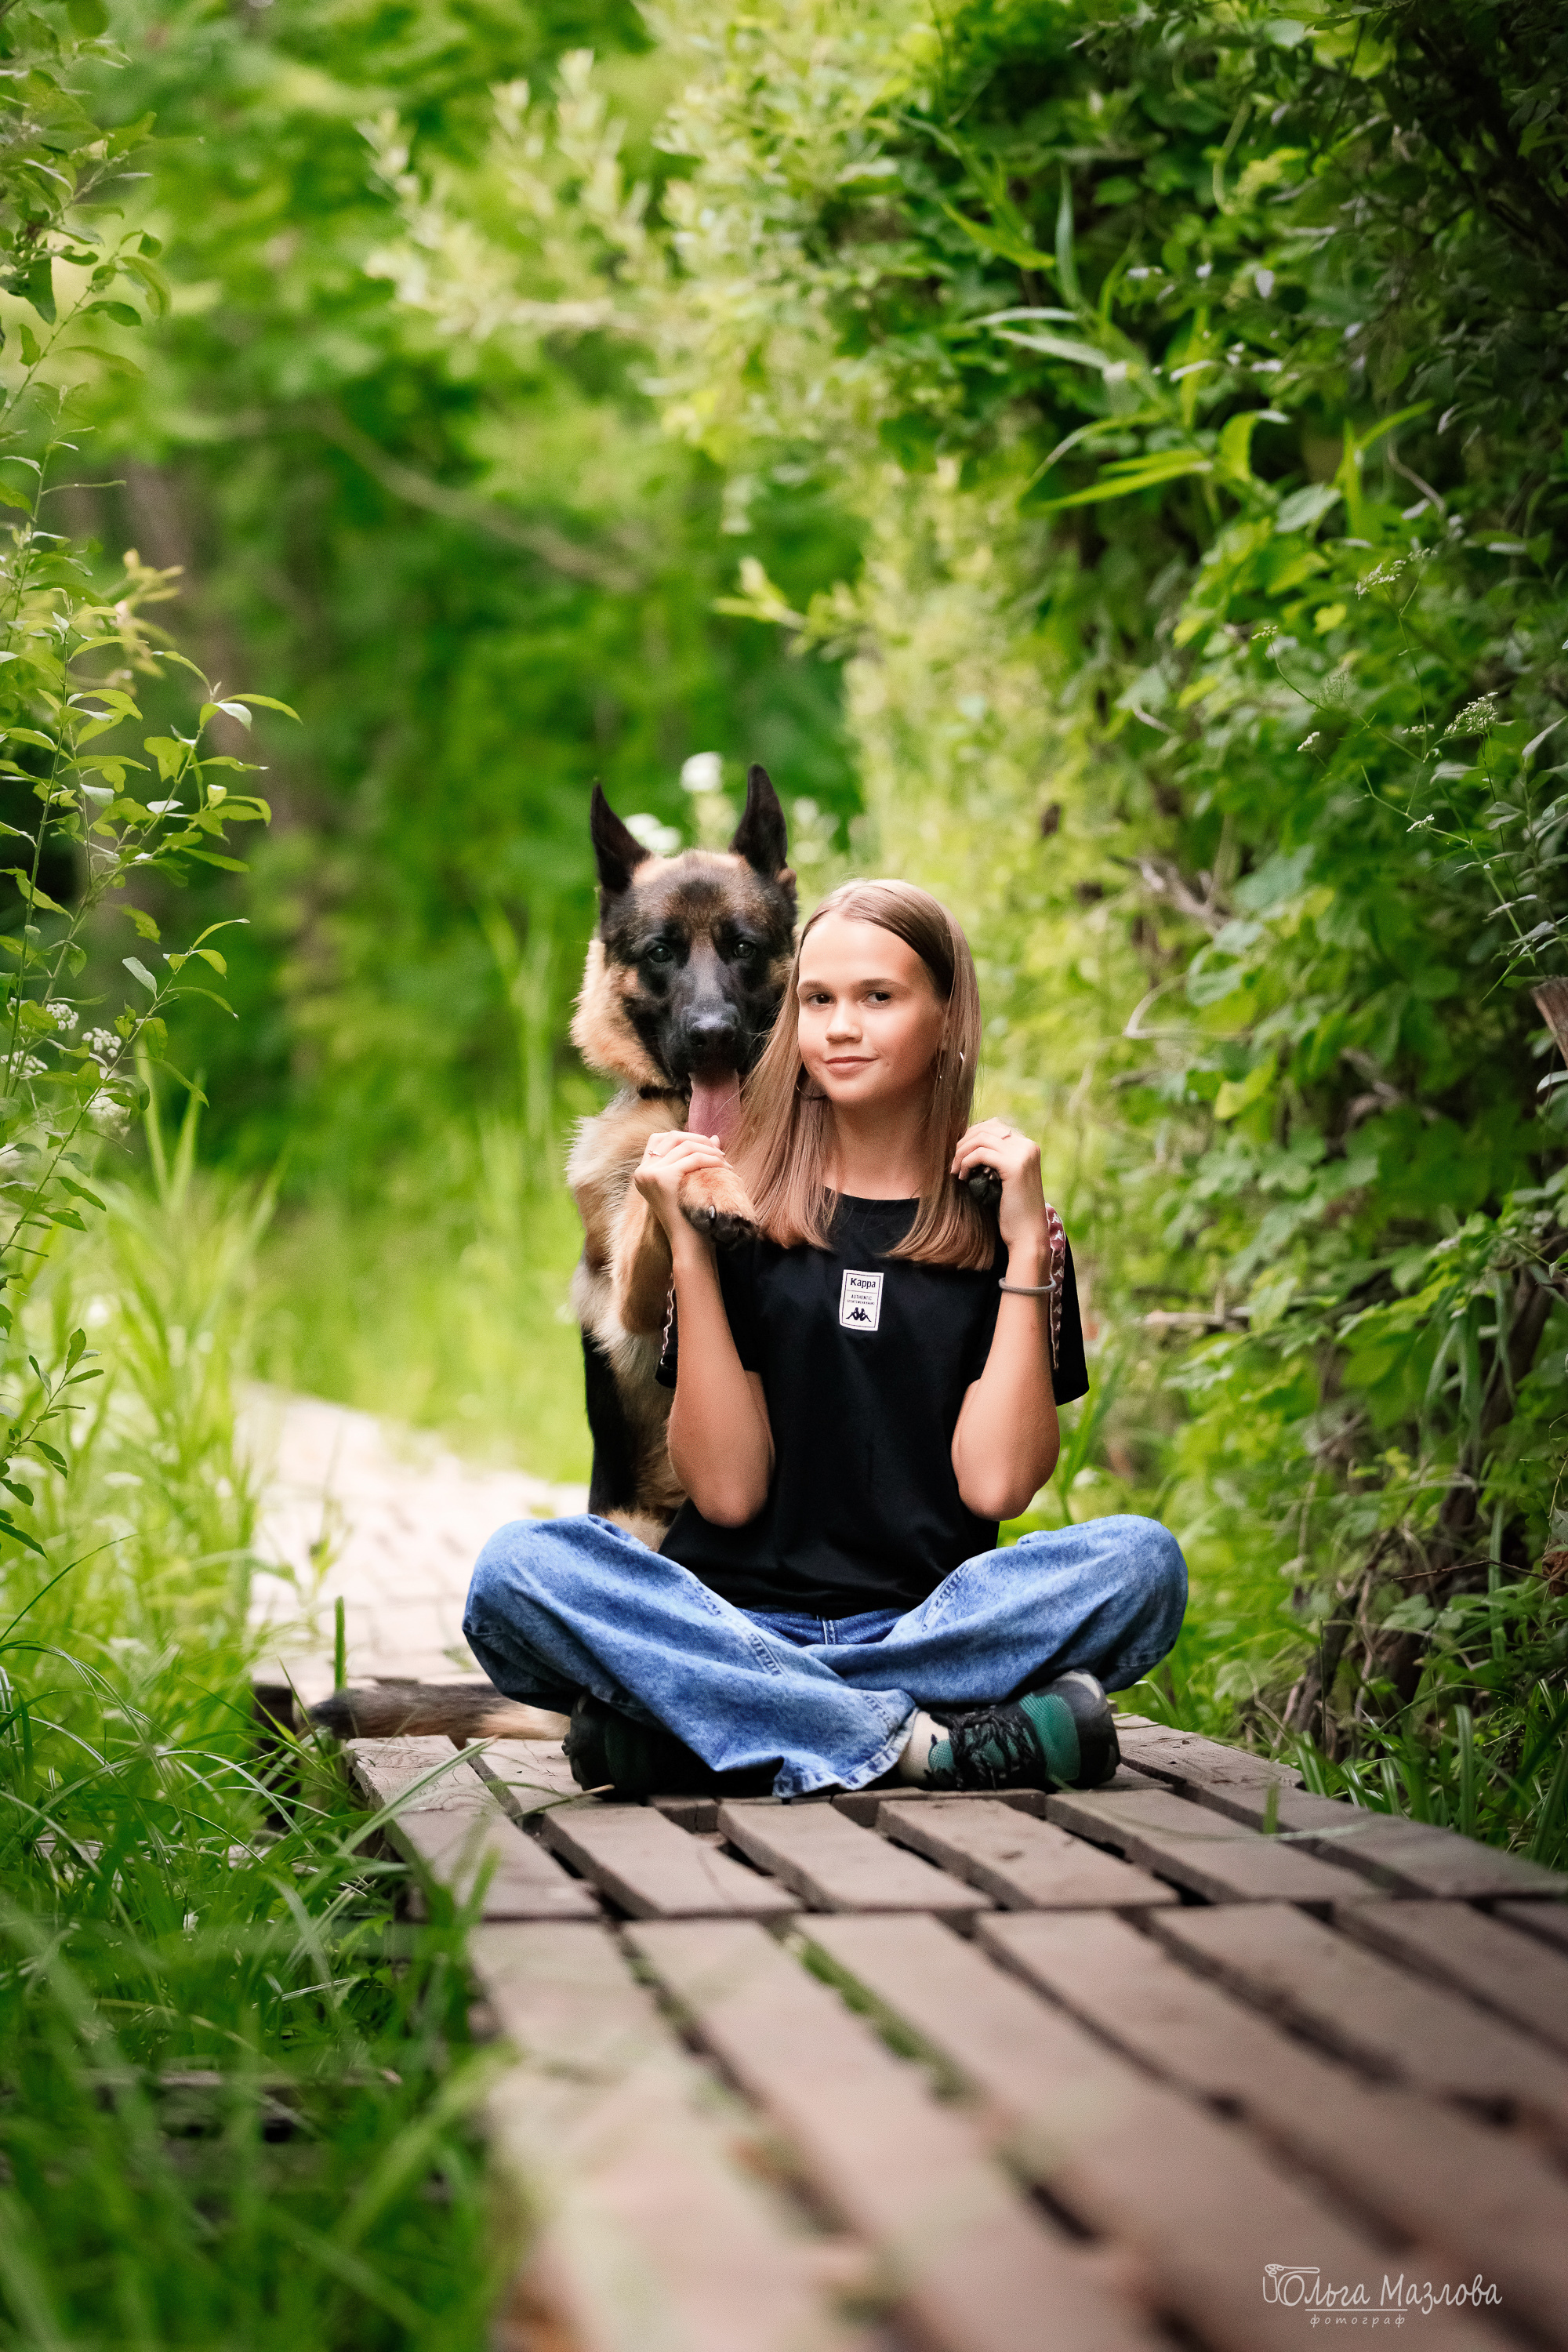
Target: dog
x: 685, y: 975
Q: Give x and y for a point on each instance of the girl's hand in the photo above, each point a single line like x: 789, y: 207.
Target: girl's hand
x: 668, y: 1157
x: 1021, y: 1213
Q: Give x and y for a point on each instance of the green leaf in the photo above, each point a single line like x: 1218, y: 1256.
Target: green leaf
x: 1006, y: 244
x: 88, y: 17
x: 1238, y: 1095
x: 1067, y: 265
x: 267, y: 702
x: 139, y: 971
x: 146, y: 927
x: 41, y: 288
x: 1127, y: 476
x: 169, y: 754
x: 1304, y: 508
x: 18, y: 1536
x: 30, y: 891
x: 121, y: 313
x: 80, y: 1192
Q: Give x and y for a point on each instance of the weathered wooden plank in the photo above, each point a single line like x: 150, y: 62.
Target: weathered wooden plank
x: 1549, y: 1921
x: 1200, y: 2205
x: 1521, y: 1979
x: 655, y: 1870
x: 526, y: 1775
x: 1401, y: 1857
x: 449, y: 1824
x: 972, y: 2266
x: 1485, y: 2197
x: 1022, y: 1863
x: 835, y: 1865
x: 696, y: 1813
x: 1185, y: 1843
x: 863, y: 1805
x: 1187, y: 1762
x: 649, y: 2235
x: 1371, y: 2010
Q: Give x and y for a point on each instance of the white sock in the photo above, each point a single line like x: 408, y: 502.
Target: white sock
x: 924, y: 1733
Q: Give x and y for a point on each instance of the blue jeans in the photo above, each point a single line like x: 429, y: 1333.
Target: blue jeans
x: 561, y: 1606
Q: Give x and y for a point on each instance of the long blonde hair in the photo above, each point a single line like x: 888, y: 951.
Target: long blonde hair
x: 781, y: 1153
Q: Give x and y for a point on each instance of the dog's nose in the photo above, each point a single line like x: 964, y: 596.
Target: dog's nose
x: 709, y: 1036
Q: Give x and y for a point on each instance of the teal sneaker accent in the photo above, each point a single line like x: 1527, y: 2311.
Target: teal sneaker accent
x: 1061, y: 1736
x: 1057, y: 1732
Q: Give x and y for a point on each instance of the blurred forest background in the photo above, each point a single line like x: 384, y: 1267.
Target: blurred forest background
x: 1110, y: 464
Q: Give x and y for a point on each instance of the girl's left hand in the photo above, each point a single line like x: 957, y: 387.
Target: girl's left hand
x: 1021, y: 1213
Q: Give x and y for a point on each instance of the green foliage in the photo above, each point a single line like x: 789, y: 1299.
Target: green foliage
x: 236, y: 2092
x: 88, y: 795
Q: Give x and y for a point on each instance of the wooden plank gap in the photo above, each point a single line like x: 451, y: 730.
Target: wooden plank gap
x: 1199, y: 2206
x: 1484, y: 2199
x: 973, y: 2266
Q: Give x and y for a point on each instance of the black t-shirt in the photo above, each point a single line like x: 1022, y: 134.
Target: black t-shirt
x: 865, y: 1362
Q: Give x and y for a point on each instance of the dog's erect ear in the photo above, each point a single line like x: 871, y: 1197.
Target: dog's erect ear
x: 617, y: 852
x: 762, y: 837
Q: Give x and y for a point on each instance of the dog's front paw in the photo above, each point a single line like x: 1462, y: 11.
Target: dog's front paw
x: 715, y: 1201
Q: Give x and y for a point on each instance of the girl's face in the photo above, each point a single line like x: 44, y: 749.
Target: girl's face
x: 870, y: 1020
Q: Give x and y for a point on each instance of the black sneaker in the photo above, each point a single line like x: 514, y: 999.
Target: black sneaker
x: 1060, y: 1737
x: 607, y: 1750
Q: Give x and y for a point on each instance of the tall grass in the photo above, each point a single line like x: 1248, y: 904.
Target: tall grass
x: 234, y: 2088
x: 442, y: 1304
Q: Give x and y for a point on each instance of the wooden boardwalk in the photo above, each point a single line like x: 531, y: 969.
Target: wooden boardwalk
x: 1199, y: 2059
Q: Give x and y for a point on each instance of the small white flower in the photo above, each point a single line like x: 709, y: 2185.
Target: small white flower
x: 1307, y: 742
x: 1477, y: 717
x: 654, y: 836
x: 703, y: 772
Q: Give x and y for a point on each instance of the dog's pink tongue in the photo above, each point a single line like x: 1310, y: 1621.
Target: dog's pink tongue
x: 715, y: 1107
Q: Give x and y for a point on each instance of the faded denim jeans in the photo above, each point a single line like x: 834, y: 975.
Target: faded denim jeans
x: 561, y: 1606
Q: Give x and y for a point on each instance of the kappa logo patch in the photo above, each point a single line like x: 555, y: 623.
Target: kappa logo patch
x: 861, y: 1302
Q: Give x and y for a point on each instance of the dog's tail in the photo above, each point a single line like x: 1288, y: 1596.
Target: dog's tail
x: 455, y: 1711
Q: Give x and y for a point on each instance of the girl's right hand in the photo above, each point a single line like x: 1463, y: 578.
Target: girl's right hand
x: 669, y: 1157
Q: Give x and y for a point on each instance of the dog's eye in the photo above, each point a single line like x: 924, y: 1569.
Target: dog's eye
x: 660, y: 953
x: 744, y: 951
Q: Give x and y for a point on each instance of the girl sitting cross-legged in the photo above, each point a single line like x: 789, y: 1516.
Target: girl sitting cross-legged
x: 861, y: 1393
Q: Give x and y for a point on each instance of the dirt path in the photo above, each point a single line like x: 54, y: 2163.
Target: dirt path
x: 383, y: 1517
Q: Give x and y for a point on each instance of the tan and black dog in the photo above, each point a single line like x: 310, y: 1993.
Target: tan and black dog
x: 683, y: 979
